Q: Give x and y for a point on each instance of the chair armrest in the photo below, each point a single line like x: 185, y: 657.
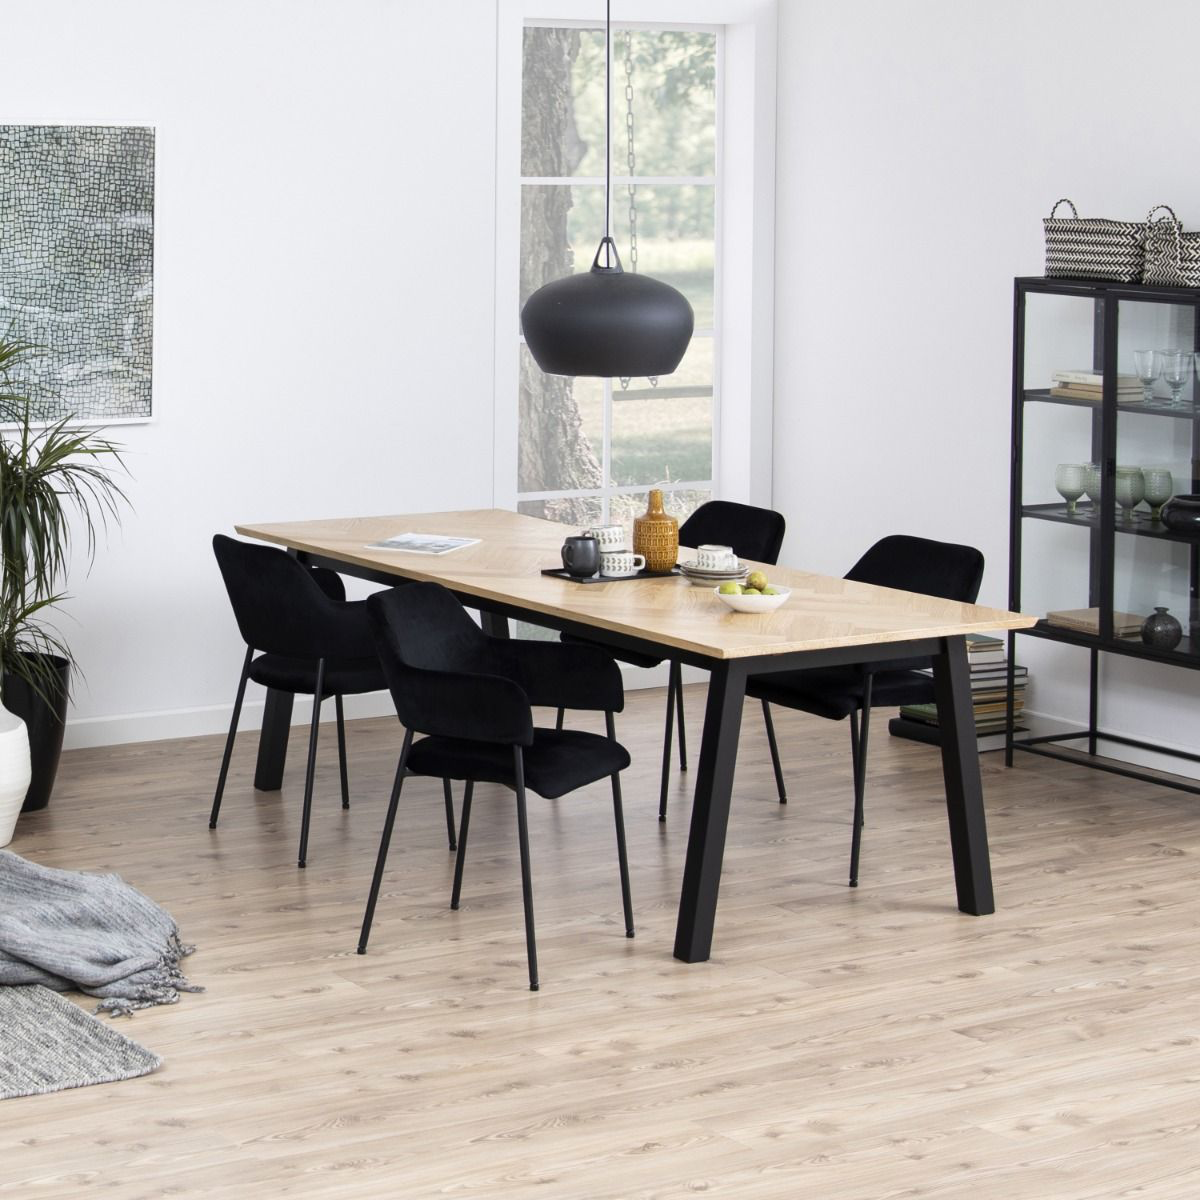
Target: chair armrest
x: 559, y: 675
x: 460, y: 704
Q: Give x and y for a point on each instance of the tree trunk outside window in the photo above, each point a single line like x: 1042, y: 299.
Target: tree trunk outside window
x: 554, y: 453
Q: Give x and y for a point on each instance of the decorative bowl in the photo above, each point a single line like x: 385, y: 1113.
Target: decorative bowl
x: 754, y: 604
x: 1181, y: 514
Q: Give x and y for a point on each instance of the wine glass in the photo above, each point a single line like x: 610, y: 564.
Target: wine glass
x: 1068, y: 481
x: 1176, y: 372
x: 1160, y: 487
x: 1091, y: 482
x: 1148, y: 366
x: 1130, y: 490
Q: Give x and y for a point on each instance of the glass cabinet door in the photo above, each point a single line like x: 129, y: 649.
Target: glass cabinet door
x: 1058, y: 456
x: 1155, y: 567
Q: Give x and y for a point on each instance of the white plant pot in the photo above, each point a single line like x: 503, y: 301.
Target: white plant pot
x: 14, y: 772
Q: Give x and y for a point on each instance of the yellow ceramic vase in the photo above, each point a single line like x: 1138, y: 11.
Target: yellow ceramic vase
x: 656, y: 535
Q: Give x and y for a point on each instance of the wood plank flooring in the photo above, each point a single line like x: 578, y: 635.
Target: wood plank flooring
x: 841, y: 1044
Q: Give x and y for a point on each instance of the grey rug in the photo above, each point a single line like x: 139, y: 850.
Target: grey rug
x: 73, y: 931
x: 48, y: 1044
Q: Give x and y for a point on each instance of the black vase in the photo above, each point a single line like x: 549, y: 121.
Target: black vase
x: 1161, y: 630
x: 45, y: 721
x: 1181, y: 514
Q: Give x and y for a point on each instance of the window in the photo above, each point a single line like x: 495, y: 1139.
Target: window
x: 589, y: 449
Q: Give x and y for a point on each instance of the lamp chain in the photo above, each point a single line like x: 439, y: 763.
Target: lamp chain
x: 631, y: 161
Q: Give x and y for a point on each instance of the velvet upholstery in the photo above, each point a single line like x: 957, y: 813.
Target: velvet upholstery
x: 282, y: 609
x: 448, y: 677
x: 556, y: 761
x: 753, y: 532
x: 343, y: 676
x: 910, y: 564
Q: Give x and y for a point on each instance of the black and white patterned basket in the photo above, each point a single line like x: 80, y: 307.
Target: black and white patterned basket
x: 1079, y: 248
x: 1172, y: 256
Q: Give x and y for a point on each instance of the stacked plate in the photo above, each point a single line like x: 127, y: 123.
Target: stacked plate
x: 713, y: 577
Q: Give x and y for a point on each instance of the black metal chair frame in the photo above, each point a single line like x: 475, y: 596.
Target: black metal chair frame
x: 329, y: 586
x: 860, y: 717
x: 489, y: 669
x: 723, y: 522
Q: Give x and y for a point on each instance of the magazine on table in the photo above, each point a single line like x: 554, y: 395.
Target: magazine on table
x: 422, y: 543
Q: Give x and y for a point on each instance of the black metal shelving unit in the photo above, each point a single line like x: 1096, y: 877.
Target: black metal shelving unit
x: 1101, y: 521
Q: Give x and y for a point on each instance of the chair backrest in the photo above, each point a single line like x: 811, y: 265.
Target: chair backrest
x: 430, y: 651
x: 754, y: 533
x: 915, y: 564
x: 282, y: 606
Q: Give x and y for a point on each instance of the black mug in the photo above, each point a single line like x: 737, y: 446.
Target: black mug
x: 581, y: 556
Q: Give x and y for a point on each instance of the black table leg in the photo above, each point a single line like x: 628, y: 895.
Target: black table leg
x: 960, y: 768
x: 710, y: 812
x: 273, y: 741
x: 494, y: 625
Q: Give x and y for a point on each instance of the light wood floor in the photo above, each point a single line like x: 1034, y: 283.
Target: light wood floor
x: 840, y: 1044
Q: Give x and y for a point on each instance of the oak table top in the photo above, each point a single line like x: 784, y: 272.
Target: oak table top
x: 822, y: 612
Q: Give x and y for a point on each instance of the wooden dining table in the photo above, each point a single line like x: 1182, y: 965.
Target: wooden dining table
x: 826, y: 621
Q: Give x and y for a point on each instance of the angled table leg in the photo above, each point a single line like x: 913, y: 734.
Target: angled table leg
x: 710, y: 812
x: 964, y: 789
x: 273, y: 741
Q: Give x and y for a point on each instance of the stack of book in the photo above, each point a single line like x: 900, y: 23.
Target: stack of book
x: 1087, y: 620
x: 989, y: 697
x: 1089, y: 385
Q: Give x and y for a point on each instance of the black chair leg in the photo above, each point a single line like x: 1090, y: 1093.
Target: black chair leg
x: 460, y: 861
x: 312, y: 763
x: 341, y: 732
x: 859, y: 756
x: 233, y: 724
x: 384, y: 842
x: 666, y: 758
x: 774, y: 745
x: 677, y: 670
x: 449, y: 798
x: 558, y: 721
x: 619, y: 817
x: 526, y: 880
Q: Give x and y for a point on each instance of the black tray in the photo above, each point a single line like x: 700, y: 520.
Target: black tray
x: 561, y: 573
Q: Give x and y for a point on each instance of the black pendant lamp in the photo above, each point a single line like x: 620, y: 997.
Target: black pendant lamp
x: 606, y: 322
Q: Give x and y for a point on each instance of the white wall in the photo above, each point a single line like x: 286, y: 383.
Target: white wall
x: 919, y: 145
x: 323, y: 307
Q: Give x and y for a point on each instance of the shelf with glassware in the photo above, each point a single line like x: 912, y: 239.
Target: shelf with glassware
x: 1105, y: 500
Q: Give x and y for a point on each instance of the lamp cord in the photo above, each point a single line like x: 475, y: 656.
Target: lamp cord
x: 607, y: 117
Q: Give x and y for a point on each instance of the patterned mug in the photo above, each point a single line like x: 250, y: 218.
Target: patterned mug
x: 716, y: 558
x: 621, y: 564
x: 610, y: 537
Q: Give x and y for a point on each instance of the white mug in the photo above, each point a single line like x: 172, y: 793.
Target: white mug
x: 715, y: 558
x: 610, y: 537
x: 618, y: 564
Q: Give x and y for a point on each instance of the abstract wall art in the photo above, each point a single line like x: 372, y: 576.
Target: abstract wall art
x: 77, y: 265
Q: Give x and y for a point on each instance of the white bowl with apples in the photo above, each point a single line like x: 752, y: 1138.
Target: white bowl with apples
x: 756, y: 595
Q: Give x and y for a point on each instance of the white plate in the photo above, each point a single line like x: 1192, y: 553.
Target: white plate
x: 754, y: 604
x: 696, y: 569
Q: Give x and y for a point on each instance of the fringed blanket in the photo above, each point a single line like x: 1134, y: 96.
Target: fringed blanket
x: 71, y: 931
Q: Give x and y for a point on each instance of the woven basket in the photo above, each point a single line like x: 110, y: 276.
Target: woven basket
x: 1172, y: 256
x: 1093, y: 248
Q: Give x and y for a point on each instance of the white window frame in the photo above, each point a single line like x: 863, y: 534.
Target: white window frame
x: 743, y: 231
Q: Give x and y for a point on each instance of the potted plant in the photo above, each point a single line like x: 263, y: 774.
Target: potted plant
x: 54, y: 479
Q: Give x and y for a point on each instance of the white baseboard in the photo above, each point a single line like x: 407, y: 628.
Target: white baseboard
x: 86, y: 732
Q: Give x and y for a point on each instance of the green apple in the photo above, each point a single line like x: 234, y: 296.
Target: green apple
x: 730, y: 589
x: 769, y: 591
x: 751, y: 591
x: 756, y: 580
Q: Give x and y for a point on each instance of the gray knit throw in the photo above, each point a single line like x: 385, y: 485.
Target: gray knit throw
x: 72, y: 931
